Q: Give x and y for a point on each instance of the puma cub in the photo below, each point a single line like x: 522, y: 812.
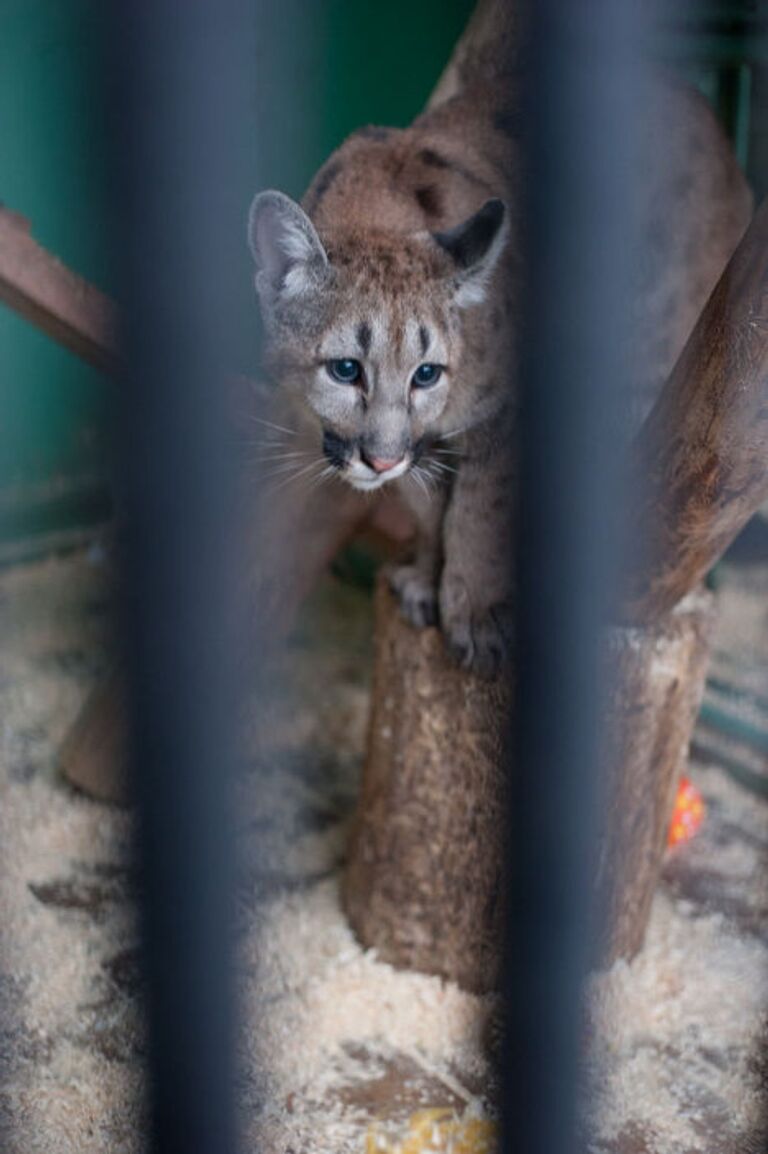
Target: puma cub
x: 389, y: 304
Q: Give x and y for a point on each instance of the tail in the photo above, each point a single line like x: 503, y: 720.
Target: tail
x: 487, y: 50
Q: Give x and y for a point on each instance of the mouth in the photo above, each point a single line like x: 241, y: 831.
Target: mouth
x: 365, y: 477
x: 360, y: 469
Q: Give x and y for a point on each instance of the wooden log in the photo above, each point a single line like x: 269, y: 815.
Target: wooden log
x: 289, y: 551
x: 92, y: 756
x: 700, y: 465
x: 291, y: 544
x: 78, y: 316
x: 423, y: 882
x: 656, y: 677
x: 489, y: 47
x: 701, y: 468
x: 424, y: 861
x: 52, y: 297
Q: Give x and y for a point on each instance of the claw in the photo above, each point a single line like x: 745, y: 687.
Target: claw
x: 417, y: 596
x: 477, y: 640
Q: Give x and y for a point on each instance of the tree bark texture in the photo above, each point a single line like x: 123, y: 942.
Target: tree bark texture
x: 423, y: 882
x: 700, y: 464
x: 53, y: 298
x: 656, y: 677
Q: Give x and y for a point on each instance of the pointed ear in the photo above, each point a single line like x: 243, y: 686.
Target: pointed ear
x: 475, y: 246
x: 289, y: 254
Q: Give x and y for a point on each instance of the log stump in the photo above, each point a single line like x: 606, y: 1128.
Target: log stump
x: 423, y: 878
x: 424, y: 862
x: 656, y: 679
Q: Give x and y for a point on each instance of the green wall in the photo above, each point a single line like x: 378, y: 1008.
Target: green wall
x: 320, y: 68
x: 52, y: 407
x: 339, y: 64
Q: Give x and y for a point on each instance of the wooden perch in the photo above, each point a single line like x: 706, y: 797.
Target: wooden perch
x: 423, y: 879
x: 76, y: 314
x: 292, y: 543
x: 701, y: 460
x: 53, y: 298
x: 423, y: 874
x: 487, y: 47
x: 656, y: 678
x: 81, y: 318
x: 424, y: 860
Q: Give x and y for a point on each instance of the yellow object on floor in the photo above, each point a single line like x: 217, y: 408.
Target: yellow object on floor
x: 437, y: 1130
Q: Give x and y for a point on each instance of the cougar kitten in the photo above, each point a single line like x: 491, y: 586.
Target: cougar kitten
x: 389, y: 303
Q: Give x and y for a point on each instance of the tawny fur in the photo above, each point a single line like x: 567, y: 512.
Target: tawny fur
x: 368, y: 280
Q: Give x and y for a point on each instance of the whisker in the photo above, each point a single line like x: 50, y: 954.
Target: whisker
x: 287, y: 467
x: 283, y: 456
x: 296, y: 475
x: 270, y: 424
x: 430, y: 478
x: 415, y: 473
x: 247, y: 415
x: 441, y: 466
x: 316, y: 482
x: 320, y: 480
x: 266, y: 442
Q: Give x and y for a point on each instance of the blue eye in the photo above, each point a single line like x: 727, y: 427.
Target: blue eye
x: 346, y: 372
x: 426, y: 376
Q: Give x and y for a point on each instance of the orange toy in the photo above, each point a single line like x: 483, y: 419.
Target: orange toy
x: 687, y: 815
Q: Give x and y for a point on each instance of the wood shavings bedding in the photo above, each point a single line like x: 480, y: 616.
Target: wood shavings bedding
x: 347, y: 1046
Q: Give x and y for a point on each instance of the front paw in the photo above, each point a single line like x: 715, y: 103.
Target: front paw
x: 478, y: 638
x: 416, y: 593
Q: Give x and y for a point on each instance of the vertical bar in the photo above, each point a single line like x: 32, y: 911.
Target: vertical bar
x: 583, y: 98
x: 180, y: 134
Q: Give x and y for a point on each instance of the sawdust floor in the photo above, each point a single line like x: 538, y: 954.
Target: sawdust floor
x: 347, y: 1045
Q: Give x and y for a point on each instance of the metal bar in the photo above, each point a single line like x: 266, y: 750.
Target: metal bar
x: 181, y: 130
x: 582, y: 100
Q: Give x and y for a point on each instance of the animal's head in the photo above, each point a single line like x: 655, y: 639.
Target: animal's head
x: 369, y: 329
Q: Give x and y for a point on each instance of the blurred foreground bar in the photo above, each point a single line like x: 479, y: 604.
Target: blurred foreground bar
x: 583, y: 95
x: 180, y: 132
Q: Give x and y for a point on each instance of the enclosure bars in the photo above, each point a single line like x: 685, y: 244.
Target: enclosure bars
x: 182, y: 123
x: 180, y: 114
x: 583, y: 98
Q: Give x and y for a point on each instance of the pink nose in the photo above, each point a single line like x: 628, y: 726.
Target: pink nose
x: 382, y: 464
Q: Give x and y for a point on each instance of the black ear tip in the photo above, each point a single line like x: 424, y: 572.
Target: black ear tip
x: 470, y: 241
x: 494, y: 210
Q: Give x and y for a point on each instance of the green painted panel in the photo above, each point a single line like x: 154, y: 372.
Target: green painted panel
x: 321, y: 69
x: 52, y: 407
